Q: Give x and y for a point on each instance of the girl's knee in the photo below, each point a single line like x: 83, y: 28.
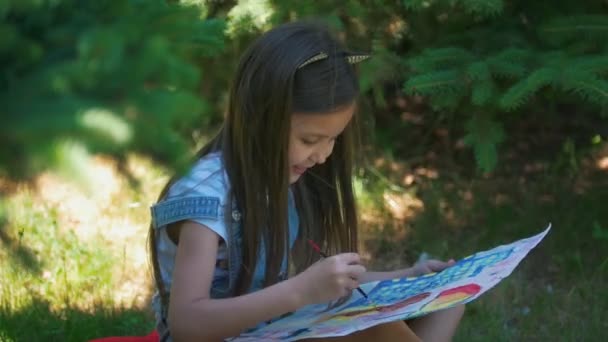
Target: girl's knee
x: 457, y: 311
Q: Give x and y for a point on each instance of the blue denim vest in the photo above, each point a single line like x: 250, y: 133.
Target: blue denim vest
x: 182, y: 208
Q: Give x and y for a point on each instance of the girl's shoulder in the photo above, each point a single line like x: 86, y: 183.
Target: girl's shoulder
x: 199, y: 196
x: 207, y: 177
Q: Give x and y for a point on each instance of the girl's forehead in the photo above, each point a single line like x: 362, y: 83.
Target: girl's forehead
x: 327, y: 124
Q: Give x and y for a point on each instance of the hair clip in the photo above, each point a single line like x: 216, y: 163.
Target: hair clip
x: 317, y: 57
x: 352, y: 59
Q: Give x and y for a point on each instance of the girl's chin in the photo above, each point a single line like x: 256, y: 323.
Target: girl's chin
x: 293, y: 177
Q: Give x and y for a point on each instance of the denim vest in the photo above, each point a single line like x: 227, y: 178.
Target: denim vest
x: 204, y: 207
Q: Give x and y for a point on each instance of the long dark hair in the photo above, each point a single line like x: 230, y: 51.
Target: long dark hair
x: 268, y: 87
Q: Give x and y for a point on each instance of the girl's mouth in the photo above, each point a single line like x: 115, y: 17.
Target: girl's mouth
x: 299, y: 170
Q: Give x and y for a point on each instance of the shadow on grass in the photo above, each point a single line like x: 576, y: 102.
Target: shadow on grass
x: 19, y: 253
x: 500, y: 212
x: 38, y: 322
x: 558, y: 293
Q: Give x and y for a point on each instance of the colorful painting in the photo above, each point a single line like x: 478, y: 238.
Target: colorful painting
x: 401, y: 299
x: 451, y: 297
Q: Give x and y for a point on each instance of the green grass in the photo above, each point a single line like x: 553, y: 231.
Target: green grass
x: 66, y: 257
x: 558, y: 293
x: 36, y: 320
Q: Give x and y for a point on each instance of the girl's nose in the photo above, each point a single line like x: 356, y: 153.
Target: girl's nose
x: 322, y: 153
x: 319, y: 157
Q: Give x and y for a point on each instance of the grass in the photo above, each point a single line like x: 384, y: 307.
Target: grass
x: 558, y: 293
x: 37, y: 320
x: 73, y: 263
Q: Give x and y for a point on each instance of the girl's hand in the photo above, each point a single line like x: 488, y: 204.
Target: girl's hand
x: 429, y: 266
x: 329, y: 279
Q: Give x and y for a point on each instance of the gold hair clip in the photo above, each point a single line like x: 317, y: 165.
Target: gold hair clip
x: 317, y: 57
x: 352, y: 59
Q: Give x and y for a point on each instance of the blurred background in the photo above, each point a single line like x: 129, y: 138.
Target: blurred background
x: 485, y: 121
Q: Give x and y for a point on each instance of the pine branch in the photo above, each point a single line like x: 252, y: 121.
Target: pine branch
x: 572, y: 29
x: 478, y: 71
x: 114, y: 77
x: 577, y: 25
x: 433, y: 82
x: 591, y: 89
x: 510, y: 63
x: 417, y: 5
x: 597, y: 64
x: 448, y: 101
x: 485, y: 8
x: 481, y: 83
x: 433, y: 59
x: 521, y: 91
x: 483, y: 92
x: 484, y: 134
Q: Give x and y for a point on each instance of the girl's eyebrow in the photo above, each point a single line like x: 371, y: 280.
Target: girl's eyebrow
x: 316, y: 135
x: 320, y: 135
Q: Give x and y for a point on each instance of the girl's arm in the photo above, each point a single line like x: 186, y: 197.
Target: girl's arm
x: 421, y: 268
x: 193, y: 315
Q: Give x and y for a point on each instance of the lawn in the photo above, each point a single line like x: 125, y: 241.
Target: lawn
x: 73, y: 260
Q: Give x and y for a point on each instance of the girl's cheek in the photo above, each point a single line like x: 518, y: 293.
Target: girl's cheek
x: 298, y: 153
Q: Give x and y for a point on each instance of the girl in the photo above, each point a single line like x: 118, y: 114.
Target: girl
x: 224, y: 237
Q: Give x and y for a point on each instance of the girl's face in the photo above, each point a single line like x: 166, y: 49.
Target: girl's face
x: 312, y: 138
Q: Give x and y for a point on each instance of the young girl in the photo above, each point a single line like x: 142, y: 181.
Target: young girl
x: 225, y: 236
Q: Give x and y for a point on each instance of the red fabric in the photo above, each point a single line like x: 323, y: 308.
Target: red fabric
x: 152, y: 337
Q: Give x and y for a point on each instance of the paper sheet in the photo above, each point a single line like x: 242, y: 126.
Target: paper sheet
x: 400, y: 299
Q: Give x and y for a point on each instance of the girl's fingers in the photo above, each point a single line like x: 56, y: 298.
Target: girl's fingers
x: 351, y: 285
x: 355, y: 271
x: 437, y: 265
x: 424, y: 269
x: 349, y: 258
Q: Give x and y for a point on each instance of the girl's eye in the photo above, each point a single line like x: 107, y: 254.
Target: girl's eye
x: 308, y: 142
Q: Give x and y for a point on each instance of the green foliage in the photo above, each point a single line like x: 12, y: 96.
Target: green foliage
x: 573, y: 30
x: 111, y: 77
x: 484, y: 134
x: 482, y: 8
x: 477, y: 56
x: 564, y: 57
x: 132, y: 75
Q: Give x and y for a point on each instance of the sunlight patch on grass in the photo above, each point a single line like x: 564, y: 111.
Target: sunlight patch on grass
x: 79, y: 248
x: 602, y: 163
